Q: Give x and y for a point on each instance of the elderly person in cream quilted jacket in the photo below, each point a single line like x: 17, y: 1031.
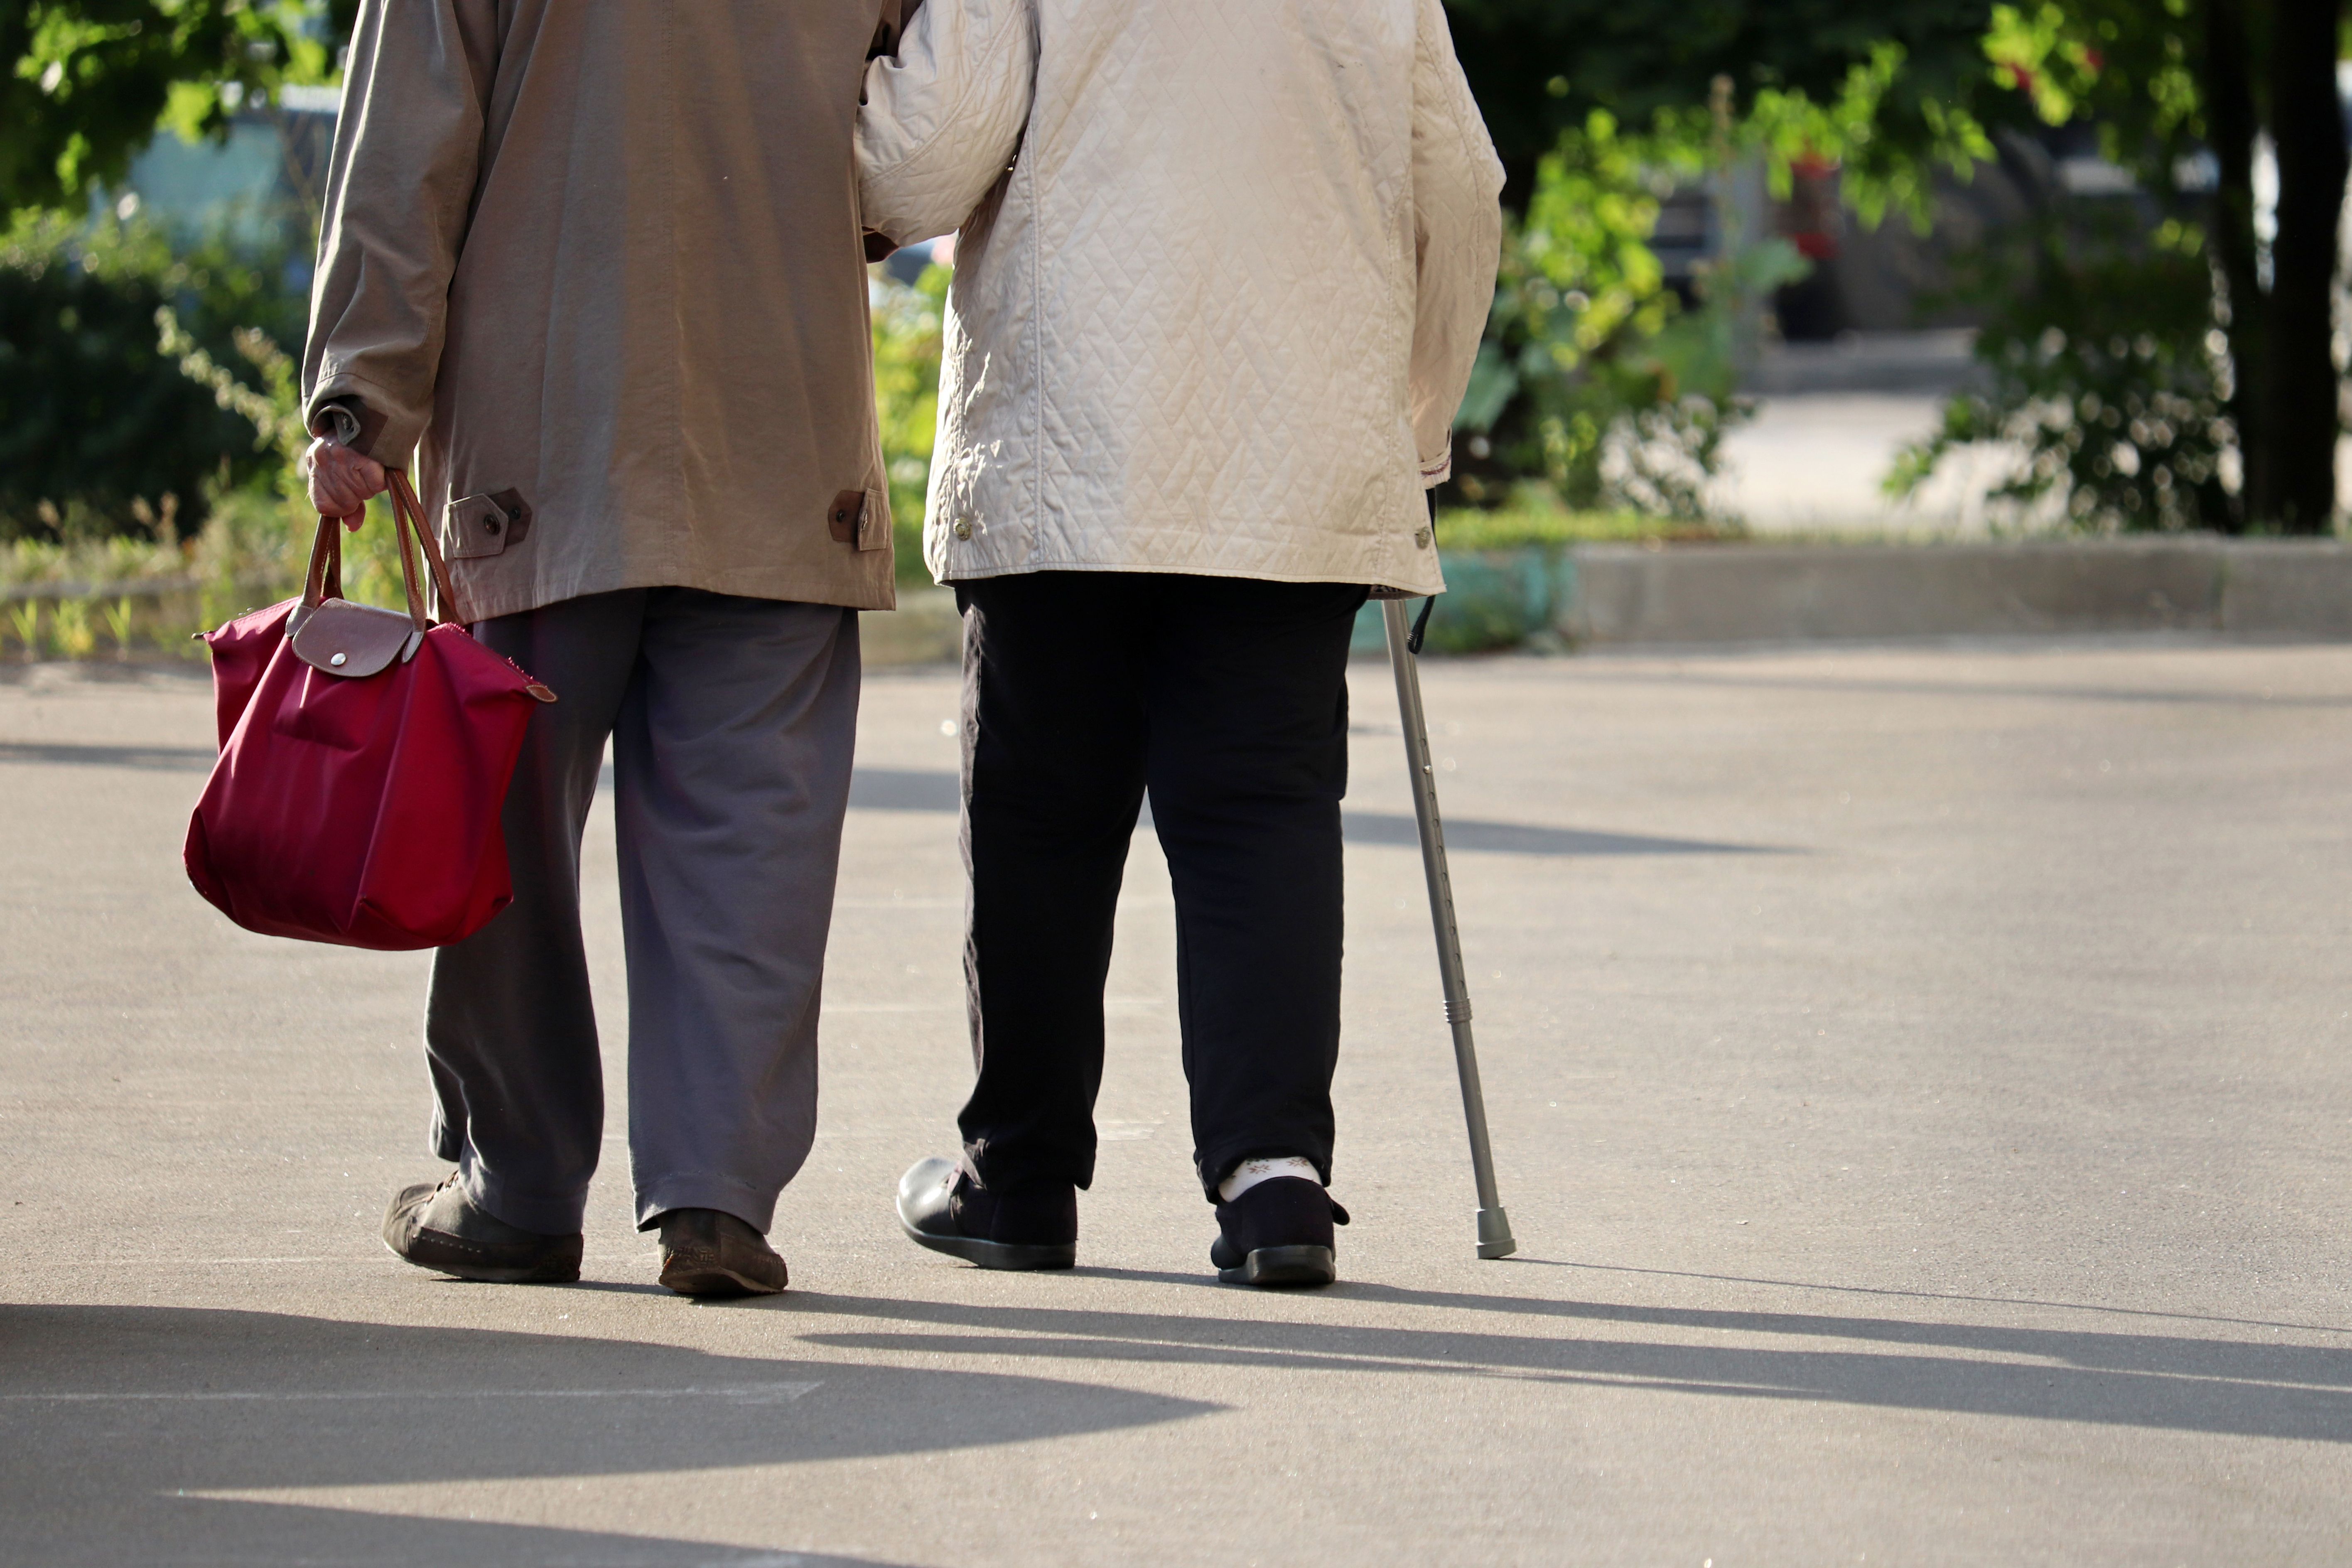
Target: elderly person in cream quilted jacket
x: 1221, y: 269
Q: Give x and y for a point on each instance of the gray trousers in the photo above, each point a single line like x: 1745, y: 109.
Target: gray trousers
x: 733, y: 722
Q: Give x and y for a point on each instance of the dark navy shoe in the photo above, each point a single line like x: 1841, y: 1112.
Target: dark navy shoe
x: 1278, y: 1232
x: 1036, y: 1227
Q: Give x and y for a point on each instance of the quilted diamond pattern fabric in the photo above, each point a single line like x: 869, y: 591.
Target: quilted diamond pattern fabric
x: 1221, y: 272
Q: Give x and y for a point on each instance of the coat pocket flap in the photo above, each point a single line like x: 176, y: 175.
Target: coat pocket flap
x: 861, y: 518
x: 486, y: 524
x: 340, y: 638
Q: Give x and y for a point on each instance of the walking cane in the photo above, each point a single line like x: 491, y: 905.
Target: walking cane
x: 1494, y: 1225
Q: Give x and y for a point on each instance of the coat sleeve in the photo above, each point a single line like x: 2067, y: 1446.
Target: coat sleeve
x: 1457, y: 186
x: 400, y: 185
x: 944, y: 117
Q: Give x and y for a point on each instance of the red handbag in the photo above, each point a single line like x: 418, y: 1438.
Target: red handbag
x: 365, y: 755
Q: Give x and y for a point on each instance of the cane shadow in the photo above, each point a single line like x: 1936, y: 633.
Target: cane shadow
x: 269, y: 1534
x: 2166, y: 1382
x: 1472, y: 833
x: 97, y: 1402
x: 1523, y: 1261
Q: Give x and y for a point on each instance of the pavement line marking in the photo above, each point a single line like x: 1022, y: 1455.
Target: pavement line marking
x: 741, y: 1393
x: 1942, y: 1295
x: 227, y: 1262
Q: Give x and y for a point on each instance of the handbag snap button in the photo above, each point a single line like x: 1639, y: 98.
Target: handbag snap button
x: 489, y: 525
x: 339, y: 660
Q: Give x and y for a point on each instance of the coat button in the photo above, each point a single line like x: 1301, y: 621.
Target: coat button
x: 1420, y: 539
x: 490, y: 526
x: 963, y: 529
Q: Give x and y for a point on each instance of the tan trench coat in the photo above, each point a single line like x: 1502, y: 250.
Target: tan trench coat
x: 598, y: 264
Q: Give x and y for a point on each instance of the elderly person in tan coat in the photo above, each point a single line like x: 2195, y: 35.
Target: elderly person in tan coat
x: 1221, y: 269
x: 596, y: 269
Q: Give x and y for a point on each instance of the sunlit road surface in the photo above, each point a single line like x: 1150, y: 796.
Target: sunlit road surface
x: 1919, y: 1080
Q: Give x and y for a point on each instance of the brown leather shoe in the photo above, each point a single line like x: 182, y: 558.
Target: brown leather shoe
x: 705, y: 1252
x: 434, y: 1227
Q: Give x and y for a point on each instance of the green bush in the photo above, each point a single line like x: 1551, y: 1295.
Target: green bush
x: 907, y: 327
x: 2107, y: 378
x: 1533, y: 518
x: 95, y: 416
x: 1593, y: 379
x: 153, y: 592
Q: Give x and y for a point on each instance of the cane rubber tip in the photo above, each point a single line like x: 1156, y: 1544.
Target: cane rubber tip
x: 1495, y: 1234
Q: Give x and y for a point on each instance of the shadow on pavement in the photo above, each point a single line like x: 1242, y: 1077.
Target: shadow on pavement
x: 227, y: 1531
x: 163, y: 759
x: 927, y: 790
x: 2169, y: 1381
x: 101, y: 1406
x: 922, y: 789
x: 1524, y: 839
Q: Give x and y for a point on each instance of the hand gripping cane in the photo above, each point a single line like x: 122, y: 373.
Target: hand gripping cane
x: 1494, y: 1225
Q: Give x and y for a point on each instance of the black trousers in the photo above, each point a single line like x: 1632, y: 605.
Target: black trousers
x: 1227, y: 700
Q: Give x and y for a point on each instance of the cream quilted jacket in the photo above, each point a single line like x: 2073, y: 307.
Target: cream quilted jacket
x: 1221, y: 269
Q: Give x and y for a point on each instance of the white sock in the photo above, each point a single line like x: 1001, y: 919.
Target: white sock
x: 1250, y: 1172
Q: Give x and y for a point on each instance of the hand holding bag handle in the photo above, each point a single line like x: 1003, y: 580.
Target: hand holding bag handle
x: 323, y: 581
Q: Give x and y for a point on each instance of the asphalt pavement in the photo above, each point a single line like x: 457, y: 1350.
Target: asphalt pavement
x: 1918, y: 1078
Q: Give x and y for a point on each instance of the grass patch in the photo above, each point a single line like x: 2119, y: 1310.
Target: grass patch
x: 1509, y: 527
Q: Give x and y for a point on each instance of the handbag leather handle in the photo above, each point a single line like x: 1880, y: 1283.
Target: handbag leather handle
x: 445, y: 590
x: 324, y: 580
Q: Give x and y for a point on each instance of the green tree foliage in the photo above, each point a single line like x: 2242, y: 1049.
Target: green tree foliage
x: 1897, y: 82
x: 1593, y: 376
x: 2182, y: 90
x: 93, y: 79
x: 95, y: 413
x: 95, y: 416
x: 2104, y: 379
x: 909, y: 320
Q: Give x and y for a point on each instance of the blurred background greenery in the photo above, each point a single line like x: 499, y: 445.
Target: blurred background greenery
x: 2154, y: 298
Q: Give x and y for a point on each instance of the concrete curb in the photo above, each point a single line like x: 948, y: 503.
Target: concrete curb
x: 1749, y: 593
x: 1622, y: 595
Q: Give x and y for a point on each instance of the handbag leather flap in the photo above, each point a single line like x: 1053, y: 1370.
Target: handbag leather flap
x: 340, y: 638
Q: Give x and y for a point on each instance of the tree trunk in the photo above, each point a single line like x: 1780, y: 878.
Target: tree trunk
x: 2227, y: 87
x: 2301, y: 404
